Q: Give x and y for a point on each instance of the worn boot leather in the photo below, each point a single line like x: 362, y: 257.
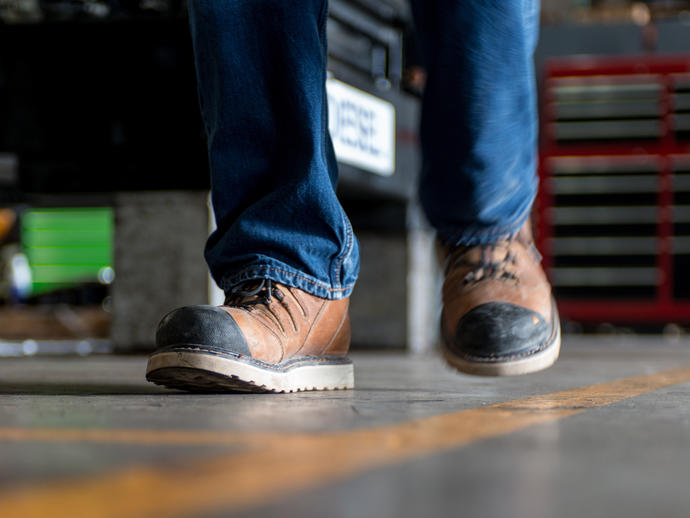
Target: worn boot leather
x: 499, y: 317
x: 266, y: 337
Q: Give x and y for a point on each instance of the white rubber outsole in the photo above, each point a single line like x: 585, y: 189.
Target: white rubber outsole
x: 536, y: 363
x: 195, y: 371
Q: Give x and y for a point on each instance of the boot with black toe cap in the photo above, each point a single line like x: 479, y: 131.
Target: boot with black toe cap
x: 499, y: 316
x: 267, y: 337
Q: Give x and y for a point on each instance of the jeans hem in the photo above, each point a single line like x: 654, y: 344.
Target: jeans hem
x: 288, y: 276
x: 482, y: 235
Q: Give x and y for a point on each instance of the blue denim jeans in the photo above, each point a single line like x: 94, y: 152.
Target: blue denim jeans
x: 261, y: 67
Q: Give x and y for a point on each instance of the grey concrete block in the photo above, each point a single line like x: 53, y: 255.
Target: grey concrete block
x: 159, y: 263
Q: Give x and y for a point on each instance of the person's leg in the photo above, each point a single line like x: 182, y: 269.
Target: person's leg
x: 478, y: 182
x: 479, y: 122
x: 284, y: 251
x: 261, y: 68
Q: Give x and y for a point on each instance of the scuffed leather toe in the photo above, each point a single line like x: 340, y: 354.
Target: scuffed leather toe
x: 207, y: 326
x: 499, y: 331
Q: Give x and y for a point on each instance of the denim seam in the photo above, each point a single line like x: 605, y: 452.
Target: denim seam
x: 322, y: 15
x: 347, y: 251
x: 336, y: 272
x: 225, y: 283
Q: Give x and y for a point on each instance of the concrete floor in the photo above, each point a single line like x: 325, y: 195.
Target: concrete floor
x: 604, y: 433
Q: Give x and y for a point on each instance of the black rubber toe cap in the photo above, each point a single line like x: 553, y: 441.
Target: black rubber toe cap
x: 500, y: 331
x: 201, y: 326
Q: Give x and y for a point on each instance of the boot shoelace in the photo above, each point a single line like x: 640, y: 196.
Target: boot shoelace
x: 251, y: 293
x: 488, y: 267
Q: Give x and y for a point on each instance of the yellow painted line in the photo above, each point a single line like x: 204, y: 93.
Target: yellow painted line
x: 289, y: 463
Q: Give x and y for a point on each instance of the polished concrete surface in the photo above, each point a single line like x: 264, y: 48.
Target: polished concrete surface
x: 604, y: 433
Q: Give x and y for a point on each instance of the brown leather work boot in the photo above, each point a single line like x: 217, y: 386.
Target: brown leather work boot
x: 499, y: 317
x: 266, y: 338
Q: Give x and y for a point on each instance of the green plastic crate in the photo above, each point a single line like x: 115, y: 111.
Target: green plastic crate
x: 68, y: 246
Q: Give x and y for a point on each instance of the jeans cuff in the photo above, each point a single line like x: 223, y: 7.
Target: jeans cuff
x: 478, y: 234
x: 288, y: 276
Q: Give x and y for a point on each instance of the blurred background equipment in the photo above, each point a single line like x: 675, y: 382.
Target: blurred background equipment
x: 100, y: 132
x: 100, y: 122
x: 65, y: 247
x: 613, y: 209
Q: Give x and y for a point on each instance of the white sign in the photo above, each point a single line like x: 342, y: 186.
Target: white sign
x: 362, y: 128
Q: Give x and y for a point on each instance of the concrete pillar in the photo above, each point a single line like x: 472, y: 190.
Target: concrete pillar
x: 423, y: 284
x: 159, y: 263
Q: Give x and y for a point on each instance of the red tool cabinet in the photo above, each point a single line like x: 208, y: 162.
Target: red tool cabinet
x: 613, y: 213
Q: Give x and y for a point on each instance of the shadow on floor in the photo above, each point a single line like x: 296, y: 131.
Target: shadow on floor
x: 42, y: 388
